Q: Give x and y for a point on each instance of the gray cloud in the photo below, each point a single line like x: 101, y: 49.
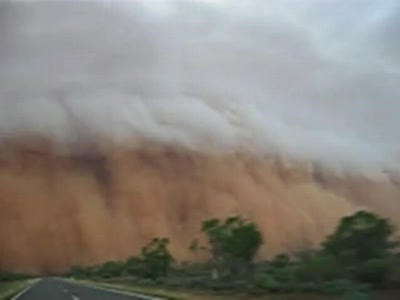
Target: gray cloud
x: 315, y: 79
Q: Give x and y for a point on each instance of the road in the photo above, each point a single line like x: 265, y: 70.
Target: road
x: 57, y: 289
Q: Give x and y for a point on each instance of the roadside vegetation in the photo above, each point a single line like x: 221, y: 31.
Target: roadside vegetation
x: 11, y: 284
x: 359, y: 257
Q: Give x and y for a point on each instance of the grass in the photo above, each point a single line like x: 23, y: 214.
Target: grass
x: 155, y: 292
x: 181, y: 294
x: 177, y: 294
x: 10, y: 288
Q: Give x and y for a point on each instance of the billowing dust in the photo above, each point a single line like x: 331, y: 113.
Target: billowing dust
x: 62, y: 210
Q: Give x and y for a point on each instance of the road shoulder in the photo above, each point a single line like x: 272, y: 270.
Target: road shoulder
x: 115, y: 289
x: 17, y: 289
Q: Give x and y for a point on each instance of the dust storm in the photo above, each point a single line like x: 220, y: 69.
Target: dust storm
x: 124, y: 121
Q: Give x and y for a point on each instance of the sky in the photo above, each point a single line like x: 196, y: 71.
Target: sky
x: 313, y: 79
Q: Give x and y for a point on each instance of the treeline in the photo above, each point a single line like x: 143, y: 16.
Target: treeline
x: 10, y: 276
x: 154, y: 263
x: 360, y: 255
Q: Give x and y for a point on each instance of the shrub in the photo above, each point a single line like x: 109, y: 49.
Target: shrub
x: 374, y: 271
x: 319, y: 268
x: 280, y: 261
x: 156, y: 258
x: 268, y: 282
x: 336, y: 287
x: 135, y: 266
x: 79, y: 272
x: 110, y: 269
x: 9, y: 276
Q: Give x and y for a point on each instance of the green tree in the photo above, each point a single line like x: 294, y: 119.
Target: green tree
x: 362, y: 242
x: 233, y: 242
x: 156, y: 258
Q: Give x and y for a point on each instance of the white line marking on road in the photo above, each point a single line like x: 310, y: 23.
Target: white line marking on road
x: 75, y: 297
x: 114, y: 290
x: 65, y: 290
x: 25, y: 290
x: 122, y: 292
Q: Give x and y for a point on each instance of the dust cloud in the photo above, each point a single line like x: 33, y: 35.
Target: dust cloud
x: 122, y: 121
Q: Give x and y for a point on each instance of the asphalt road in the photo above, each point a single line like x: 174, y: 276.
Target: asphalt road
x: 57, y: 289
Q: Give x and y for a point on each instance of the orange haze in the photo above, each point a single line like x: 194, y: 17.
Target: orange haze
x: 59, y: 210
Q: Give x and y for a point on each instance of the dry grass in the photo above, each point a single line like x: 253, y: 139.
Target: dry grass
x: 200, y: 295
x: 8, y: 289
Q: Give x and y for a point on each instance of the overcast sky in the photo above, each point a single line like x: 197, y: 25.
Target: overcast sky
x: 319, y: 79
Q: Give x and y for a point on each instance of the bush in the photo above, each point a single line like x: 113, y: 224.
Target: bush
x: 79, y: 272
x: 394, y: 272
x: 267, y: 282
x: 358, y: 292
x: 319, y: 268
x: 9, y: 276
x: 287, y: 274
x: 146, y: 282
x: 374, y: 271
x: 198, y: 283
x: 280, y: 261
x: 110, y: 269
x: 156, y: 258
x: 336, y: 287
x: 359, y: 252
x: 135, y: 266
x: 227, y: 285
